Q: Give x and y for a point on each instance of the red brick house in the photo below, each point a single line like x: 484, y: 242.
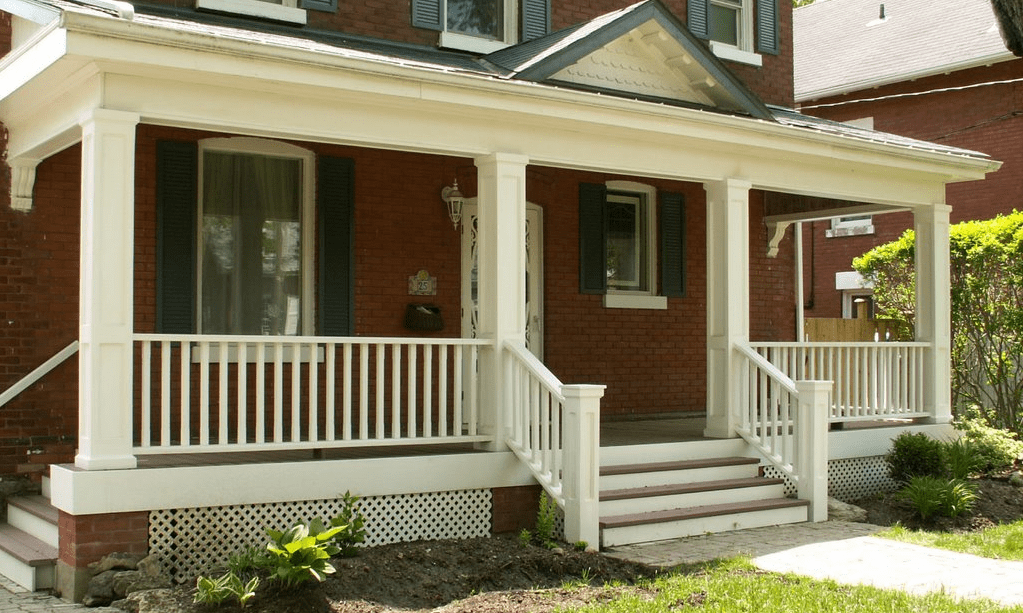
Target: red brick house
x: 937, y: 72
x: 433, y: 254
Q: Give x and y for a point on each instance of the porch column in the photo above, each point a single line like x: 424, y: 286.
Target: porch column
x: 727, y: 298
x: 501, y: 201
x: 106, y: 291
x: 933, y: 303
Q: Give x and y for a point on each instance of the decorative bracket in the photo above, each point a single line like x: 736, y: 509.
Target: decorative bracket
x: 775, y: 232
x: 23, y: 180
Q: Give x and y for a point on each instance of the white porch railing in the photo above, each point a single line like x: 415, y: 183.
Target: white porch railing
x: 872, y: 380
x: 38, y: 373
x: 555, y: 429
x: 198, y: 393
x: 785, y: 421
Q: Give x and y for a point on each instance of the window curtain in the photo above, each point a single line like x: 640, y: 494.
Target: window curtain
x: 251, y: 244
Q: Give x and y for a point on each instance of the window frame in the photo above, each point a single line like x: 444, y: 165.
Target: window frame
x: 478, y: 44
x: 647, y: 196
x: 853, y: 225
x: 287, y: 11
x: 744, y: 51
x: 271, y: 148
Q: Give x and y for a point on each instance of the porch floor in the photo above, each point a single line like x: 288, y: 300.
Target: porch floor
x: 670, y: 428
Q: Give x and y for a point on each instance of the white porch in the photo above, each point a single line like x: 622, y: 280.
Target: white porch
x: 150, y: 401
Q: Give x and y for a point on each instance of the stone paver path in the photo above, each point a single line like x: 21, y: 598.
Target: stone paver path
x: 846, y: 553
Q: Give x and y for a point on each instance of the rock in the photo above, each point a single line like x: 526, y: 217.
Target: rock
x: 131, y: 581
x: 116, y: 560
x: 843, y: 511
x: 150, y: 566
x: 1016, y: 479
x: 100, y: 590
x: 125, y: 604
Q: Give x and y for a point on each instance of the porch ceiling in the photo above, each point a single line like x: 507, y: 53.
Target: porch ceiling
x: 172, y: 75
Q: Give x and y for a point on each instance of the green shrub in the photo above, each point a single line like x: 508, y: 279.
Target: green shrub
x: 961, y: 458
x: 352, y: 524
x: 545, y: 515
x: 210, y: 590
x: 996, y: 449
x: 302, y: 553
x: 914, y: 455
x: 957, y: 497
x: 932, y: 496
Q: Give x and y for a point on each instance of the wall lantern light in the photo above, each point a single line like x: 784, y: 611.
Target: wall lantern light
x: 454, y: 199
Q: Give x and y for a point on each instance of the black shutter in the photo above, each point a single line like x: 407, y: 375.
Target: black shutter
x: 426, y: 14
x: 767, y: 26
x: 698, y: 18
x: 177, y: 193
x: 327, y: 6
x: 335, y: 202
x: 536, y: 18
x: 673, y: 244
x: 592, y: 245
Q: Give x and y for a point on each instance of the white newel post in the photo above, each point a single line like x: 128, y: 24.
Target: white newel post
x: 933, y: 303
x: 581, y: 463
x: 106, y: 291
x: 727, y: 299
x: 501, y: 236
x: 812, y: 445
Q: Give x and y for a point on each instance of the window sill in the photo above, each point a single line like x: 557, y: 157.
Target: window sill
x: 474, y: 44
x: 850, y: 231
x: 734, y: 54
x: 254, y: 8
x: 631, y: 301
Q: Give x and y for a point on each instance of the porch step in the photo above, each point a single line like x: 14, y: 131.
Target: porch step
x: 28, y: 542
x: 624, y: 476
x: 678, y: 523
x: 664, y: 497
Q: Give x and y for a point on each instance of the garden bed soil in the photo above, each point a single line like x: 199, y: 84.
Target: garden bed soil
x: 499, y: 575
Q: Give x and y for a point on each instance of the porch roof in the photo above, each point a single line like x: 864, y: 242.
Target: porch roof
x: 537, y: 61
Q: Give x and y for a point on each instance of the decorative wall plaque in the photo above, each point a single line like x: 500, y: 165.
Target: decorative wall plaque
x: 422, y: 284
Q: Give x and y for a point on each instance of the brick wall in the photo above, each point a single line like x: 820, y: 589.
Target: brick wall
x: 39, y: 317
x: 988, y: 119
x: 515, y: 508
x: 87, y: 538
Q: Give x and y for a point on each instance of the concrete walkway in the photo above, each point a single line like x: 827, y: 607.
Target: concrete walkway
x: 846, y: 553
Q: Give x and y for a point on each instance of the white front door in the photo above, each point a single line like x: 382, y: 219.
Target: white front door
x: 534, y: 276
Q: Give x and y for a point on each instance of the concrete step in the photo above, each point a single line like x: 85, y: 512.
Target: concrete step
x: 668, y: 452
x: 34, y: 515
x: 26, y: 560
x: 677, y: 523
x: 677, y: 496
x: 626, y: 476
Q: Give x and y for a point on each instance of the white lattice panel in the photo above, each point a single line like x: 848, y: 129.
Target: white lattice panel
x: 194, y: 541
x: 855, y: 478
x: 849, y: 479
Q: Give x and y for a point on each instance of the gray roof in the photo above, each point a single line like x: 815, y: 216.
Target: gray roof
x: 841, y: 46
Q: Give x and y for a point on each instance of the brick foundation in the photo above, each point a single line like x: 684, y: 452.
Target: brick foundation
x: 85, y: 539
x: 515, y: 508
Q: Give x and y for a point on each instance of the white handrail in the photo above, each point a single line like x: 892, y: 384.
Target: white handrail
x: 40, y: 372
x: 770, y: 399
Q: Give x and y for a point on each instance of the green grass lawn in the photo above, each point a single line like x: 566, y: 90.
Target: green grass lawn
x: 1004, y: 542
x: 734, y: 586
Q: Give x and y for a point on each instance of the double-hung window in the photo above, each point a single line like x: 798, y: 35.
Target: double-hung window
x: 237, y: 221
x: 255, y: 236
x: 627, y: 232
x: 738, y: 30
x: 482, y: 26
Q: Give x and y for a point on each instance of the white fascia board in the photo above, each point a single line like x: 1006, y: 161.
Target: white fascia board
x: 36, y: 12
x: 855, y: 86
x: 86, y: 492
x: 29, y: 60
x: 869, y: 442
